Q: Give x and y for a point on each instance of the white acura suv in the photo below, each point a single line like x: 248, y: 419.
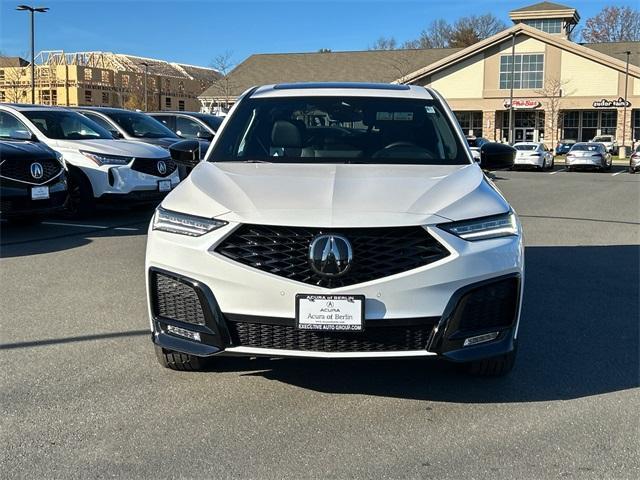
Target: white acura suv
x: 337, y: 221
x: 100, y: 167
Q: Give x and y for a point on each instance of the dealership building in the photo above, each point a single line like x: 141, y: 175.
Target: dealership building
x: 558, y: 88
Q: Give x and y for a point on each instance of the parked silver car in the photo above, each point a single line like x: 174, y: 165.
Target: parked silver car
x: 588, y: 155
x: 634, y: 161
x: 533, y: 154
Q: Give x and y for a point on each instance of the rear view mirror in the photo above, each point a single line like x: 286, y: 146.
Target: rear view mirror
x: 23, y: 135
x: 204, y: 135
x: 497, y: 156
x: 185, y: 153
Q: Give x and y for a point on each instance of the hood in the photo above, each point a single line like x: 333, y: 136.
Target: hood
x: 165, y: 142
x: 112, y: 147
x: 25, y: 150
x: 336, y: 195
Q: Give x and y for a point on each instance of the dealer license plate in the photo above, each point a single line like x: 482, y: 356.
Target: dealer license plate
x: 330, y: 312
x: 164, y: 185
x: 39, y: 193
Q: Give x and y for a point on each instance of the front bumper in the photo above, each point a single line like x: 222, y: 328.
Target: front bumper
x: 251, y: 313
x: 15, y: 198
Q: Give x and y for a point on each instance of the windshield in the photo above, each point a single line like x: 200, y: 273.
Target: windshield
x: 211, y: 120
x: 65, y: 125
x: 340, y: 130
x: 585, y: 147
x: 140, y: 125
x: 525, y: 147
x: 602, y: 139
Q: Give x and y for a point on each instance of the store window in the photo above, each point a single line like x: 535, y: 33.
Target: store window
x: 528, y: 71
x: 528, y: 126
x: 549, y: 25
x: 470, y: 122
x: 608, y: 121
x: 570, y: 125
x: 636, y: 125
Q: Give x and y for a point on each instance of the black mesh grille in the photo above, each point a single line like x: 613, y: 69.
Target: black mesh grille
x: 488, y: 306
x: 20, y: 170
x: 377, y: 252
x: 372, y: 339
x: 176, y: 300
x: 150, y: 166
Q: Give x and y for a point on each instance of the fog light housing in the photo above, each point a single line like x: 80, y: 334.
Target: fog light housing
x: 485, y: 337
x: 183, y: 332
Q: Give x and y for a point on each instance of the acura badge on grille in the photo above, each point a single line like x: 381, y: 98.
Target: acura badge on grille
x: 162, y: 167
x: 330, y: 255
x: 36, y: 170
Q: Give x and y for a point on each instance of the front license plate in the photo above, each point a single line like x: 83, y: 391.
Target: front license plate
x: 39, y: 193
x: 164, y: 185
x: 330, y: 312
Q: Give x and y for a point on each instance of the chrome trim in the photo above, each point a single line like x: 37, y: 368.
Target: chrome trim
x: 276, y: 352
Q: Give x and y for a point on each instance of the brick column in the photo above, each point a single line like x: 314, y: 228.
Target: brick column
x: 489, y: 125
x: 628, y: 130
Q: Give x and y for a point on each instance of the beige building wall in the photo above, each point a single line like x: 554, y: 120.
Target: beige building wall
x: 586, y: 77
x: 463, y: 80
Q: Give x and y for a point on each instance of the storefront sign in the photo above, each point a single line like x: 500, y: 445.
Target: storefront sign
x: 619, y: 103
x: 522, y: 104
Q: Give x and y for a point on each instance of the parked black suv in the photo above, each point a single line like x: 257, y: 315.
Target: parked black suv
x: 33, y: 181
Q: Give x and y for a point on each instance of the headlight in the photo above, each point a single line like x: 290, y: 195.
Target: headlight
x: 495, y: 226
x: 181, y: 223
x: 102, y: 159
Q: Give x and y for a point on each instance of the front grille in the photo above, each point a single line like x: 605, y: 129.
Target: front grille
x: 377, y: 252
x: 488, y: 306
x: 372, y: 339
x: 176, y: 300
x: 20, y: 170
x: 150, y: 166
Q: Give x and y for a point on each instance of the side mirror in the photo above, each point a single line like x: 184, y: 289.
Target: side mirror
x: 23, y: 135
x: 204, y: 135
x: 185, y: 153
x: 497, y: 156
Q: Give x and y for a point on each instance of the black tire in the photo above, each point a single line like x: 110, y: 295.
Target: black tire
x: 179, y: 361
x: 632, y: 170
x: 494, y: 366
x: 80, y: 202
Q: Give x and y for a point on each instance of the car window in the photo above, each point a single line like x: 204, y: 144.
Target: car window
x: 140, y: 125
x: 602, y: 139
x: 187, y: 128
x: 9, y: 125
x: 525, y: 147
x: 66, y: 125
x: 100, y: 121
x: 340, y: 130
x: 168, y: 121
x: 213, y: 121
x: 586, y: 147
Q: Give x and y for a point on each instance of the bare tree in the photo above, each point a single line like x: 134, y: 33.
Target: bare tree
x: 613, y: 24
x: 552, y: 94
x: 15, y: 85
x: 436, y: 35
x: 469, y: 30
x: 384, y: 43
x: 223, y: 85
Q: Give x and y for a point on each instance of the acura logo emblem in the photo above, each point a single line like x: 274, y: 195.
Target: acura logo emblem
x: 330, y: 255
x: 162, y: 167
x: 36, y: 170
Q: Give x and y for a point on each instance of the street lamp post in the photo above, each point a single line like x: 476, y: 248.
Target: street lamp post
x: 146, y: 71
x: 33, y: 11
x: 624, y: 114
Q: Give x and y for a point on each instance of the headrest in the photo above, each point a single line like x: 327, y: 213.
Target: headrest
x: 285, y: 134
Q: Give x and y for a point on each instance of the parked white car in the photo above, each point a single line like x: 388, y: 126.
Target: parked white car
x: 609, y: 141
x: 100, y: 167
x: 533, y: 154
x: 375, y: 235
x: 588, y: 155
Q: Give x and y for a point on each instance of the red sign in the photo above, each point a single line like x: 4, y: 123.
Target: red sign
x: 519, y: 103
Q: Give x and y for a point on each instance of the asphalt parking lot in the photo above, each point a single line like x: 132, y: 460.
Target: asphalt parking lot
x: 83, y: 397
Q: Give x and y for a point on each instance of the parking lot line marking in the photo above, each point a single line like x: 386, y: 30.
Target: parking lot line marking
x: 81, y: 225
x: 557, y: 171
x: 617, y: 173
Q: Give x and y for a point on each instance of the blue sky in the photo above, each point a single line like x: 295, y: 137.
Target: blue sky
x: 196, y: 31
